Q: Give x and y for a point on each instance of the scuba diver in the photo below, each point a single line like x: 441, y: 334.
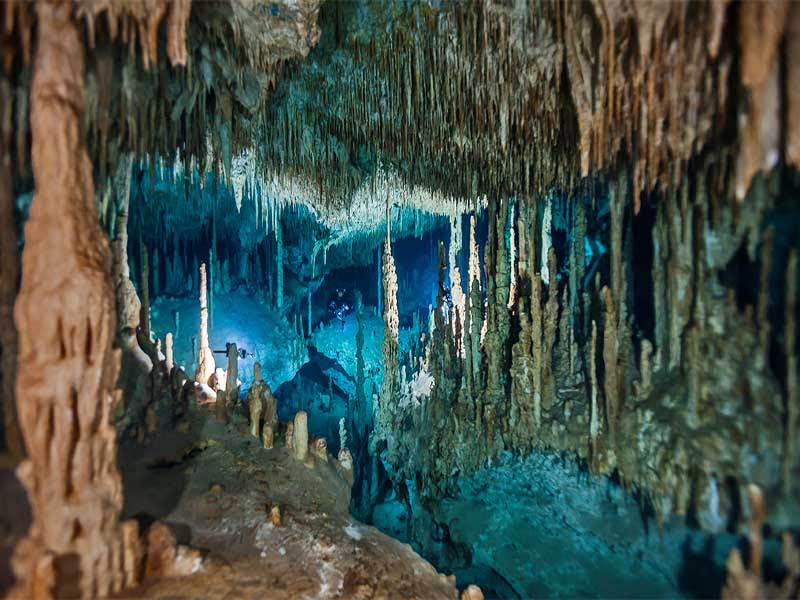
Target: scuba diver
x: 339, y: 307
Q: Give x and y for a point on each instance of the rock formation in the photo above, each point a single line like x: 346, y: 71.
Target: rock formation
x: 300, y: 436
x: 205, y: 359
x: 65, y: 319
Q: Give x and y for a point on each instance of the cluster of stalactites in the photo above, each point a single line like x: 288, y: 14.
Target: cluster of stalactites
x: 581, y: 369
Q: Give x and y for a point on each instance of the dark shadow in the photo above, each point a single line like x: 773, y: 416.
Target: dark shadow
x: 15, y: 520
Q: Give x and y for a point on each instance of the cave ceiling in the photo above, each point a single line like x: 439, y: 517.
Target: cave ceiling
x: 435, y: 105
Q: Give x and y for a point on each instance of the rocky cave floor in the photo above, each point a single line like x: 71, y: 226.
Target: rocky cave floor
x: 215, y: 486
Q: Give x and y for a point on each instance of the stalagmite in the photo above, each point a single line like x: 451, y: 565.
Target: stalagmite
x: 646, y: 368
x: 290, y: 435
x: 454, y: 250
x: 232, y: 376
x: 205, y: 358
x: 220, y: 407
x: 65, y: 319
x: 320, y: 448
x: 391, y: 326
x: 300, y: 436
x: 168, y: 352
x: 254, y: 401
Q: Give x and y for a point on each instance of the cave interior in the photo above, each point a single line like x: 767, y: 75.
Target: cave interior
x: 408, y: 299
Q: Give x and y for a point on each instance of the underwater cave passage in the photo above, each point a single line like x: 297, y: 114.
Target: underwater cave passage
x: 316, y: 299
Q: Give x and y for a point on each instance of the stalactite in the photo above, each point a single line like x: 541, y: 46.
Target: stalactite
x: 279, y: 265
x: 564, y: 345
x: 546, y: 243
x: 205, y: 358
x: 764, y: 327
x: 359, y: 411
x: 66, y: 298
x: 9, y: 278
x: 577, y: 263
x: 475, y: 305
x: 610, y: 362
x: 512, y: 259
x: 549, y: 329
x: 155, y: 289
x: 679, y: 268
x: 536, y: 345
x: 459, y: 300
x: 658, y: 274
x: 502, y: 281
x: 616, y: 201
x: 790, y: 352
x: 144, y: 321
x: 213, y: 272
x: 380, y: 282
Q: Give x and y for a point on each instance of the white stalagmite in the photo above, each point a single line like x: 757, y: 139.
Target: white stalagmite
x: 205, y: 358
x: 547, y: 221
x: 169, y: 352
x: 459, y: 300
x: 512, y: 259
x: 342, y: 434
x: 391, y: 327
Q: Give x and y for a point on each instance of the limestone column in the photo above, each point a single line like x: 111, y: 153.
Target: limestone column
x: 67, y: 367
x: 205, y: 358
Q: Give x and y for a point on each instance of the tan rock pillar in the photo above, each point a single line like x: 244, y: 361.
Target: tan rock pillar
x: 65, y: 317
